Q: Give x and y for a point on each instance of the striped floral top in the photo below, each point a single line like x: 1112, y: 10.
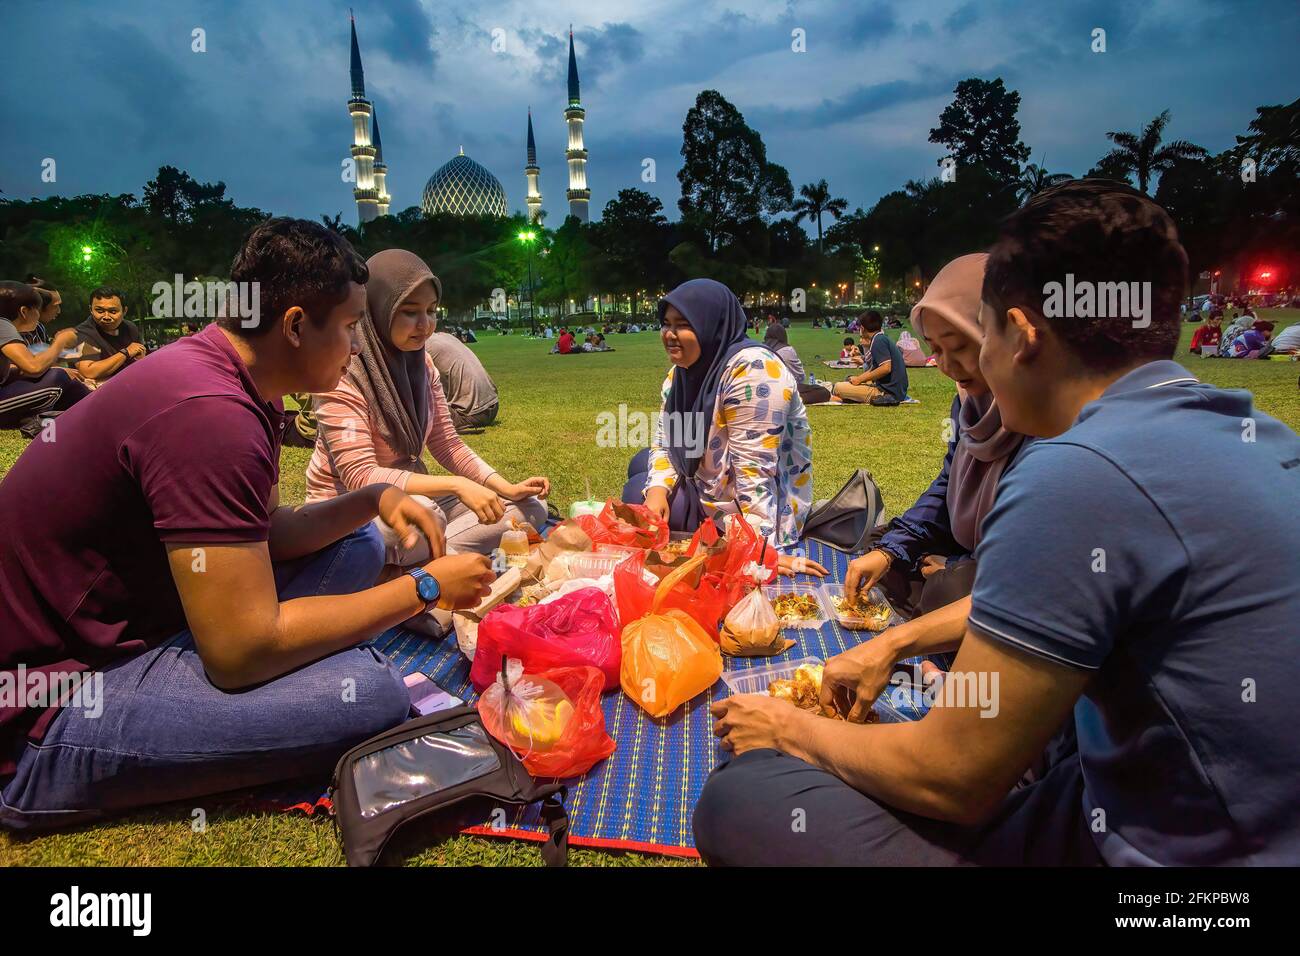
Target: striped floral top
x: 759, y: 453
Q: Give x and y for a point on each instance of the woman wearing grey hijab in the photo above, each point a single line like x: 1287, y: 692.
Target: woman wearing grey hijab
x: 390, y: 408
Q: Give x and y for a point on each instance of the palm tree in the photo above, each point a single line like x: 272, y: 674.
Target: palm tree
x: 1144, y: 155
x: 333, y: 223
x: 1034, y: 179
x: 815, y: 199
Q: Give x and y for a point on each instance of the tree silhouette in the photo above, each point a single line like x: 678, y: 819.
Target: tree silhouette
x: 1143, y: 153
x: 1034, y: 179
x: 814, y: 200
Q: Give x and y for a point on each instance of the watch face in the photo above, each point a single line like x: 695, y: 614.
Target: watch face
x: 427, y: 588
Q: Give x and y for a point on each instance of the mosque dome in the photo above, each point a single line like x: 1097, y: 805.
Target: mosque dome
x: 464, y: 188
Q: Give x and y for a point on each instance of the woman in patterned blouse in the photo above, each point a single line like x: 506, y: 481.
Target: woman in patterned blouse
x: 733, y: 437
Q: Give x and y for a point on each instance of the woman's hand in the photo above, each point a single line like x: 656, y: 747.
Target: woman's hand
x: 932, y: 563
x: 409, y: 519
x: 852, y: 681
x: 534, y: 487
x: 865, y: 571
x: 63, y: 339
x: 656, y: 499
x: 484, y: 503
x: 753, y: 721
x: 792, y: 564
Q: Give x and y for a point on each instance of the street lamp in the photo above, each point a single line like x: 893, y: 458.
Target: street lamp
x: 527, y: 236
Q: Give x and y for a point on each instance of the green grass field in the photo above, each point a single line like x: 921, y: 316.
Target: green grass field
x: 548, y: 425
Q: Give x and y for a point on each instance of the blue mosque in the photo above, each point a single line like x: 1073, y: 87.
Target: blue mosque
x: 461, y: 186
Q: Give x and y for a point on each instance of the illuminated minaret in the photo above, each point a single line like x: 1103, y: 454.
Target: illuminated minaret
x: 531, y: 172
x: 578, y: 193
x: 381, y: 170
x: 363, y: 154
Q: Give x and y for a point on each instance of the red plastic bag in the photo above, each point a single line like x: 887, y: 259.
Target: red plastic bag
x: 577, y: 629
x: 620, y: 523
x: 694, y: 594
x: 552, y: 720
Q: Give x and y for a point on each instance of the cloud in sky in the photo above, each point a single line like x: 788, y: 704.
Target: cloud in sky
x: 114, y: 91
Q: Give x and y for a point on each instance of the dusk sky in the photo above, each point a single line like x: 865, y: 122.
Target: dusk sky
x: 111, y: 91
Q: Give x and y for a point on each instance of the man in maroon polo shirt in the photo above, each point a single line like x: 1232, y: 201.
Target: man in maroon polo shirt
x: 168, y: 629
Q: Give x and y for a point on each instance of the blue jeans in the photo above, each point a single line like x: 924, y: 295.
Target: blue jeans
x: 166, y: 733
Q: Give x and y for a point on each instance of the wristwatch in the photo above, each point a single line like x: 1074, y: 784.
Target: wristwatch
x: 426, y: 586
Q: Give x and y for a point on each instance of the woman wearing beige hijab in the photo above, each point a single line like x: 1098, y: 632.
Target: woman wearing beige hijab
x: 390, y: 408
x: 923, y: 560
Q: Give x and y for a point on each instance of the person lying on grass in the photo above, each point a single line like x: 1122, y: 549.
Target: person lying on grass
x: 30, y: 382
x: 733, y: 437
x: 1104, y: 589
x: 221, y: 636
x: 389, y: 408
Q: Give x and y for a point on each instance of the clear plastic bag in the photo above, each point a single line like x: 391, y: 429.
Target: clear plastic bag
x: 751, y: 628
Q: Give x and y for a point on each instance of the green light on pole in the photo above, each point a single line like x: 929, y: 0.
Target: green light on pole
x: 527, y: 236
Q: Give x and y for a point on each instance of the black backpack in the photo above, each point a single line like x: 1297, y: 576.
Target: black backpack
x: 446, y: 764
x: 845, y: 521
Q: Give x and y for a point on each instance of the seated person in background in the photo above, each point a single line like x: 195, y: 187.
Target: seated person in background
x: 565, y: 344
x: 1252, y: 342
x: 471, y: 394
x: 1105, y: 591
x: 50, y: 308
x: 598, y: 343
x: 924, y: 558
x: 1238, y: 325
x: 1288, y: 340
x: 885, y: 380
x: 1207, y: 334
x: 107, y: 341
x: 390, y: 408
x: 851, y: 352
x: 733, y: 436
x: 30, y: 384
x: 226, y: 633
x: 777, y: 339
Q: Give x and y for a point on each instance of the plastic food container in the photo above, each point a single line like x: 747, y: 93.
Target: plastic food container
x: 591, y: 564
x: 754, y: 680
x: 830, y: 593
x: 897, y: 705
x: 783, y: 588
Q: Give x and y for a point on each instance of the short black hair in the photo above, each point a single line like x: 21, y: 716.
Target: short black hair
x: 848, y: 340
x: 295, y: 262
x: 15, y: 296
x: 108, y: 292
x: 1100, y: 232
x: 871, y: 321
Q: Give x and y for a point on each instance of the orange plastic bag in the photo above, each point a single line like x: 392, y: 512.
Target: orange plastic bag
x: 667, y: 657
x: 552, y: 720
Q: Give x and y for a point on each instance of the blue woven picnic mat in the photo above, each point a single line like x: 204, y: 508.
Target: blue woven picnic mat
x: 643, y: 795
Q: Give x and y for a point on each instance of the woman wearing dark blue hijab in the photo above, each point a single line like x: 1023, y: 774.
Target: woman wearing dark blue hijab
x: 733, y: 437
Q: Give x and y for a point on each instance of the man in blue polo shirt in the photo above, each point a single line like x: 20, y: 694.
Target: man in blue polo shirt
x: 883, y: 380
x: 1104, y: 590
